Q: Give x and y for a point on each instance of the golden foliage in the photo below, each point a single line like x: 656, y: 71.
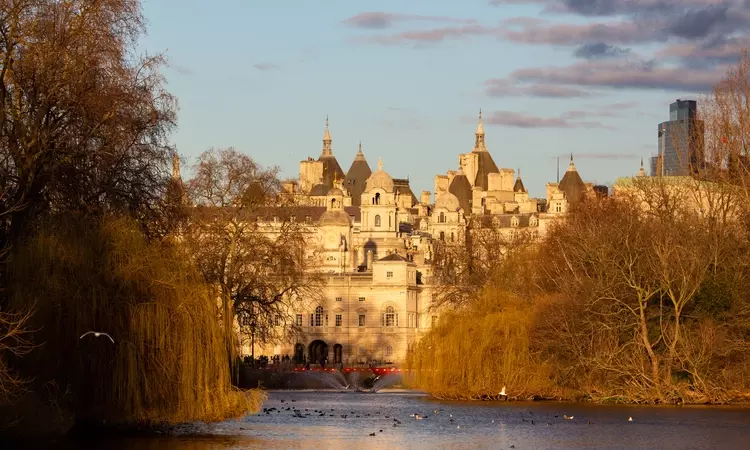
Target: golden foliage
x: 167, y: 363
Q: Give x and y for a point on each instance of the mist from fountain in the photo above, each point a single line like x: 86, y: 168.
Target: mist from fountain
x: 385, y: 381
x: 353, y: 381
x: 334, y: 380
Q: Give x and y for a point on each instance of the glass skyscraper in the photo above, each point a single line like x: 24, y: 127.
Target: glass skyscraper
x: 680, y: 141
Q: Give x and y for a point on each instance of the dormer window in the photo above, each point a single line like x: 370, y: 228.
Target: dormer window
x: 514, y: 221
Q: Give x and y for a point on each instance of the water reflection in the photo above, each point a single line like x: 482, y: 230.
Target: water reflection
x: 331, y: 419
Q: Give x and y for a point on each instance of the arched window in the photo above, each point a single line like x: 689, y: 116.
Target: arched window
x: 333, y: 203
x: 453, y: 237
x: 388, y: 350
x: 442, y: 235
x: 390, y: 319
x: 533, y: 221
x: 441, y: 218
x: 319, y: 316
x: 376, y: 200
x: 377, y: 220
x: 514, y: 221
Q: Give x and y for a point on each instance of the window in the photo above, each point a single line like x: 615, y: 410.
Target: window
x: 299, y: 320
x: 388, y: 350
x: 558, y: 208
x: 389, y: 221
x: 338, y: 299
x: 514, y: 221
x: 434, y: 320
x: 326, y: 319
x: 376, y: 199
x: 361, y: 320
x: 377, y: 220
x: 275, y: 219
x: 389, y: 274
x: 318, y: 316
x: 278, y: 321
x: 307, y: 219
x: 389, y: 318
x: 441, y: 218
x: 361, y: 299
x: 338, y: 320
x: 453, y: 237
x: 442, y: 235
x: 293, y: 219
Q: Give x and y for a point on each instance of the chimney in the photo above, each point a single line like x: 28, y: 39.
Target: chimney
x: 425, y: 198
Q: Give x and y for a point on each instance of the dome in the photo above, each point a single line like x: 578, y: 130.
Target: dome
x: 380, y: 179
x: 318, y: 190
x: 335, y: 218
x: 448, y: 201
x: 336, y: 191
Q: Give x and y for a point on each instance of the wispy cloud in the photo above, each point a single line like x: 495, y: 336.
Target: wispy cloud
x: 521, y: 120
x: 498, y: 87
x: 377, y: 20
x: 182, y: 70
x: 618, y: 75
x: 427, y: 36
x: 266, y: 66
x: 600, y: 50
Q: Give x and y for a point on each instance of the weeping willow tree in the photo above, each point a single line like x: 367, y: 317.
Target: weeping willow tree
x: 475, y: 350
x: 167, y: 362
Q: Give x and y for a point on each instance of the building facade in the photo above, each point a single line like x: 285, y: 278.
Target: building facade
x: 680, y: 146
x: 374, y: 244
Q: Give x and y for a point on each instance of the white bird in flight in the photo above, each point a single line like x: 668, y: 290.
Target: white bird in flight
x: 97, y: 334
x: 502, y: 393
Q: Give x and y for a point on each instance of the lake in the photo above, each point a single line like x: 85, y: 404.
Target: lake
x: 331, y: 419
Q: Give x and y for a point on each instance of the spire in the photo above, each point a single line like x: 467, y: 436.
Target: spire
x: 360, y: 156
x: 518, y: 186
x: 479, y: 136
x: 175, y: 166
x: 641, y: 171
x: 327, y: 141
x: 480, y: 127
x: 571, y: 166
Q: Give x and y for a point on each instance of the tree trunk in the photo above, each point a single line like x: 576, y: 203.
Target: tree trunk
x: 649, y: 349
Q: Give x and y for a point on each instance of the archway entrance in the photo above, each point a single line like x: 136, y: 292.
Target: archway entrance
x: 338, y: 351
x: 318, y: 351
x: 299, y: 353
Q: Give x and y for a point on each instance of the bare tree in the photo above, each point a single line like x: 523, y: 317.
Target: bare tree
x: 83, y: 119
x: 461, y: 269
x: 259, y: 267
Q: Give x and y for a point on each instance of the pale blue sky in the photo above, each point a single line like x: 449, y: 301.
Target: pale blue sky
x: 408, y: 78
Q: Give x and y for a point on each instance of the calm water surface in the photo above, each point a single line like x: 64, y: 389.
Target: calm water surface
x: 332, y: 420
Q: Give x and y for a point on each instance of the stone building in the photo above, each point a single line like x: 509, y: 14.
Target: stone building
x: 374, y: 243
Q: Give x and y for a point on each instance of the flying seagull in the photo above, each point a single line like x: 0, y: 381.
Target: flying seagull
x: 97, y: 334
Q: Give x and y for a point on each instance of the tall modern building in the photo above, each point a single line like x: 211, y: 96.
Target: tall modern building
x: 680, y: 142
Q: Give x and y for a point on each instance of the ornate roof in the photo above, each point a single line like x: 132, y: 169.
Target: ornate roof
x: 335, y: 218
x: 357, y: 176
x: 519, y: 187
x: 461, y: 188
x: 380, y: 179
x: 572, y: 184
x: 448, y: 201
